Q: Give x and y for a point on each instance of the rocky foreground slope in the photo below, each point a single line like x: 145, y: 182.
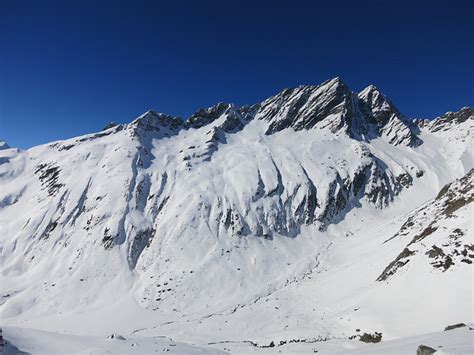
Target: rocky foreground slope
x: 441, y: 229
x: 294, y: 218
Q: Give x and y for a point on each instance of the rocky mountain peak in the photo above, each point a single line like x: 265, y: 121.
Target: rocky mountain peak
x: 334, y: 84
x: 376, y: 106
x: 305, y: 106
x: 154, y: 121
x: 330, y: 105
x: 387, y: 121
x: 450, y: 119
x: 3, y: 145
x: 204, y: 116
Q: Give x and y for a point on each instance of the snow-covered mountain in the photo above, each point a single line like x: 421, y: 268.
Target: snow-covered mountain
x: 3, y: 145
x: 294, y: 218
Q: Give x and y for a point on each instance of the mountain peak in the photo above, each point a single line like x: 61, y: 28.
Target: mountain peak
x: 377, y: 106
x: 3, y: 145
x: 305, y: 106
x: 154, y: 121
x: 330, y: 105
x: 208, y: 115
x: 369, y: 90
x: 382, y: 114
x: 334, y: 82
x: 463, y: 114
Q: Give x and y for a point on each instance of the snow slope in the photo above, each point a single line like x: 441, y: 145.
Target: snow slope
x: 259, y: 224
x: 456, y: 341
x: 40, y: 342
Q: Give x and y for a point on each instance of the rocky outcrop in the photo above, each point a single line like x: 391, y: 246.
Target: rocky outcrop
x: 203, y: 117
x: 433, y: 234
x: 152, y: 121
x: 218, y: 120
x: 385, y: 119
x: 425, y: 350
x: 449, y: 120
x: 48, y: 174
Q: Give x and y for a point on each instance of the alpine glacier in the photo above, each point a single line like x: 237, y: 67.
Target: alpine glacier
x: 313, y: 220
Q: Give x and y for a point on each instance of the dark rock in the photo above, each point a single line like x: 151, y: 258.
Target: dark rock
x: 396, y: 264
x: 205, y: 116
x: 115, y: 336
x: 371, y: 338
x: 109, y: 125
x: 452, y: 119
x: 139, y: 243
x: 426, y: 232
x: 425, y: 350
x: 49, y: 176
x: 454, y: 326
x: 153, y: 121
x: 108, y: 240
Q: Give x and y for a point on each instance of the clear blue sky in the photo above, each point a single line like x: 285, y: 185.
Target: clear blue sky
x: 69, y: 67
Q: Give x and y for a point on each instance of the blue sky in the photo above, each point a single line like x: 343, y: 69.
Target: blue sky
x: 69, y: 67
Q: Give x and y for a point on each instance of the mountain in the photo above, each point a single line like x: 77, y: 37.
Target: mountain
x: 362, y: 116
x: 291, y: 213
x: 4, y: 145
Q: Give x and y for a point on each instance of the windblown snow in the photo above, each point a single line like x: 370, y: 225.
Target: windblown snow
x: 312, y: 221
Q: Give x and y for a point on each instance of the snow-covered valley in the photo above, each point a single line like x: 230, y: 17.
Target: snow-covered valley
x: 304, y: 222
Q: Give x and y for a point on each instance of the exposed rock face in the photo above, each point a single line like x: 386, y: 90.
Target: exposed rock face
x: 332, y: 105
x: 153, y: 121
x: 437, y: 238
x: 204, y: 117
x: 450, y: 119
x: 306, y: 106
x: 218, y: 121
x: 455, y: 326
x: 48, y: 174
x: 376, y: 106
x: 385, y: 118
x: 425, y: 350
x: 109, y: 126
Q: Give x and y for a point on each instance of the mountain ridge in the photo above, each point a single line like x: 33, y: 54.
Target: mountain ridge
x: 197, y: 225
x: 308, y: 105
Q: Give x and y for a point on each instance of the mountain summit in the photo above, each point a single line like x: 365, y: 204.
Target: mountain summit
x: 3, y: 145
